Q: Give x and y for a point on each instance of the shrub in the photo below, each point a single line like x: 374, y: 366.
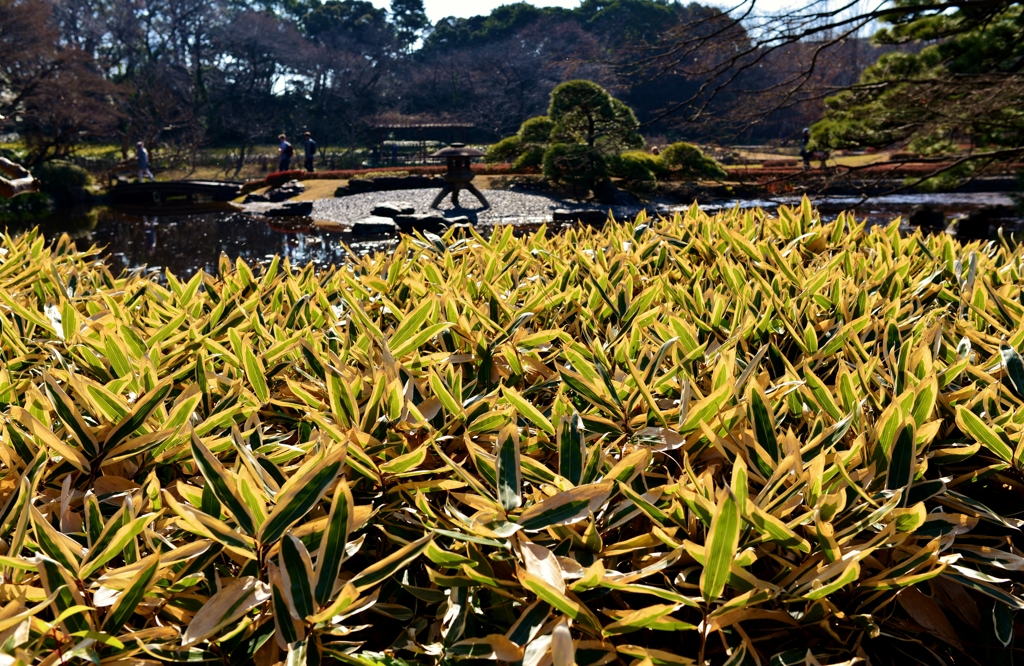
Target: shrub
x: 636, y: 168
x: 62, y: 180
x: 279, y: 178
x: 506, y: 150
x: 536, y: 130
x: 687, y: 160
x: 575, y: 164
x: 369, y: 175
x: 531, y: 157
x: 599, y: 441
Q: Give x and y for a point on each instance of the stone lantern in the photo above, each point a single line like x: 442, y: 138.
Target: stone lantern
x: 459, y: 173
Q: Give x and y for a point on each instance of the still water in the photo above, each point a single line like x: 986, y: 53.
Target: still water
x: 185, y: 242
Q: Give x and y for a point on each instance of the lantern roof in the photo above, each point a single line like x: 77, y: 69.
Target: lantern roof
x: 458, y: 150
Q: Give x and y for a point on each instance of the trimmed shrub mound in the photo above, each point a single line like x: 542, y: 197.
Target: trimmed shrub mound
x: 638, y: 169
x: 742, y: 438
x: 575, y: 164
x: 62, y: 180
x: 506, y: 150
x: 687, y: 160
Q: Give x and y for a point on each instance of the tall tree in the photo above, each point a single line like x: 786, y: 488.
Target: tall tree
x: 410, y: 20
x: 51, y: 93
x: 257, y: 51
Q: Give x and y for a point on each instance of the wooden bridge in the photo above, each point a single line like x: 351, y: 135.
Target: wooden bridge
x: 172, y: 193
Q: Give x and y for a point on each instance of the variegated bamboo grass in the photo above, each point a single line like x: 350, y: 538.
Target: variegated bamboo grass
x: 736, y: 439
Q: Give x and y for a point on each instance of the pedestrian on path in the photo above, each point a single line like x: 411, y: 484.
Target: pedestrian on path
x: 143, y: 157
x: 805, y: 154
x: 310, y: 151
x: 285, y: 152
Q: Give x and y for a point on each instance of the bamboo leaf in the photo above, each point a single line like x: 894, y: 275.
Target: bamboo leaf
x: 1014, y: 368
x: 723, y: 538
x: 508, y: 469
x: 135, y: 420
x: 572, y: 449
x: 340, y: 522
x: 255, y: 373
x: 567, y: 507
x: 129, y: 600
x: 229, y: 604
x: 222, y: 483
x: 297, y: 575
x: 305, y: 492
x: 390, y: 565
x: 976, y: 428
x: 526, y: 409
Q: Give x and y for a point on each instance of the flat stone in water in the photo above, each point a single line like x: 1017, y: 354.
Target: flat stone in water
x: 290, y: 209
x: 592, y: 216
x: 374, y: 226
x: 431, y: 222
x: 392, y: 209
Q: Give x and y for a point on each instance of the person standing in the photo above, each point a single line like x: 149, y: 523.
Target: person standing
x: 285, y: 152
x: 310, y: 151
x: 142, y: 155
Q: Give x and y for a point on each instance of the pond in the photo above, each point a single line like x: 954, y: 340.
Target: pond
x: 187, y: 241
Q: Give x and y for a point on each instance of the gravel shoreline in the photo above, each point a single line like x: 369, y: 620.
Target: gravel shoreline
x: 507, y: 207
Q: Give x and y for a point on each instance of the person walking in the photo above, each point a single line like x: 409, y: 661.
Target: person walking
x: 310, y: 151
x: 142, y: 155
x: 285, y: 152
x: 805, y: 139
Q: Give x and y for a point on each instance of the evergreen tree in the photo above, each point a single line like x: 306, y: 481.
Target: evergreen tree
x: 965, y: 85
x: 410, y: 20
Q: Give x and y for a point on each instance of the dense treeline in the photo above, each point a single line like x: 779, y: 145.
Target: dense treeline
x: 192, y: 73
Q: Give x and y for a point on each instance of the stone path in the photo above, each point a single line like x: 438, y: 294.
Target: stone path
x: 507, y: 207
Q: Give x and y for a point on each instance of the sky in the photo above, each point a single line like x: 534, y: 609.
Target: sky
x: 439, y: 9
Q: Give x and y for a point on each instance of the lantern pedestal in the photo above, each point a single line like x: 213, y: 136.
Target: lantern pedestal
x: 459, y: 174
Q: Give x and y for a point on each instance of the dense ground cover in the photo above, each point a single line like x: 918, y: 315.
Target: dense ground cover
x: 745, y: 439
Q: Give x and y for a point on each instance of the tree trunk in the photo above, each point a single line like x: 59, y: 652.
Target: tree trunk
x: 21, y: 180
x: 241, y: 159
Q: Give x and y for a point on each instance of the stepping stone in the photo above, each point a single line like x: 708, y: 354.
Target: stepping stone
x: 459, y: 220
x: 295, y: 208
x: 292, y: 188
x: 329, y: 225
x: 374, y: 226
x: 591, y: 216
x: 927, y: 217
x: 393, y: 209
x: 433, y: 223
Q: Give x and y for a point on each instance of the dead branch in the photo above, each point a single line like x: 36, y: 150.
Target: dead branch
x: 20, y: 180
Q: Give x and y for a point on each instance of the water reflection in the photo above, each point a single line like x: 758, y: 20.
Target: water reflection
x: 879, y: 209
x: 186, y: 242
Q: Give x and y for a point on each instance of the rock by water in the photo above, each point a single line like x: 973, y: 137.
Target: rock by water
x: 374, y: 225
